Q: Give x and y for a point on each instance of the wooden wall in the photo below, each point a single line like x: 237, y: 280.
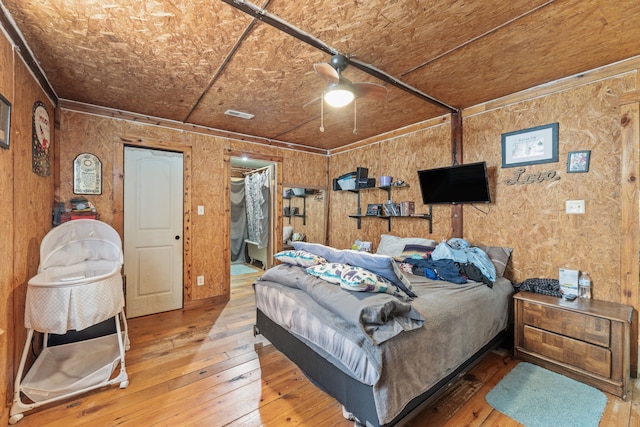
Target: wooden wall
x: 25, y: 211
x: 543, y: 236
x: 400, y: 157
x: 106, y: 136
x: 529, y: 218
x: 6, y: 242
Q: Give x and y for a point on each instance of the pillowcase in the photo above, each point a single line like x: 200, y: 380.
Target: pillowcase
x: 416, y: 251
x: 499, y: 256
x: 355, y: 279
x: 381, y: 265
x: 301, y: 258
x: 393, y: 246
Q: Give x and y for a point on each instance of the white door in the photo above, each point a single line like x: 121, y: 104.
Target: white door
x: 153, y: 212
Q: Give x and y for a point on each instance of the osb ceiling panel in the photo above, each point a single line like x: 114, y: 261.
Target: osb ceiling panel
x: 191, y: 60
x: 398, y: 36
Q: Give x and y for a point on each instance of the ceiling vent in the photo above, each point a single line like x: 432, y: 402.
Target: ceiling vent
x: 240, y: 114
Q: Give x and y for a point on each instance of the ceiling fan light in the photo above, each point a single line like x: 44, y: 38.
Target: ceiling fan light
x: 339, y: 95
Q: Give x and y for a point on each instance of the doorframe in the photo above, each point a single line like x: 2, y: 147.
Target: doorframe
x: 118, y: 199
x: 276, y: 222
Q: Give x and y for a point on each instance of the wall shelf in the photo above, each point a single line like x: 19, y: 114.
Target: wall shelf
x: 302, y: 215
x: 359, y: 215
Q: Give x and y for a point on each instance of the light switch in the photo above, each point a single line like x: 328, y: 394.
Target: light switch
x: 200, y: 210
x: 574, y: 206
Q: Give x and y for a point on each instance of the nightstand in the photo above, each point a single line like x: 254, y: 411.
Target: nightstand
x: 584, y: 339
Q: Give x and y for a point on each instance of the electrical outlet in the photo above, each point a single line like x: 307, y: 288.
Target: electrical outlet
x: 200, y: 280
x: 200, y: 210
x: 574, y: 206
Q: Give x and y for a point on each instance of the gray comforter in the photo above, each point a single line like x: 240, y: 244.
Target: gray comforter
x: 458, y: 321
x: 380, y: 316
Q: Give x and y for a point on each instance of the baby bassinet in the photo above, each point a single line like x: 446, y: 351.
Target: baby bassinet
x: 78, y: 285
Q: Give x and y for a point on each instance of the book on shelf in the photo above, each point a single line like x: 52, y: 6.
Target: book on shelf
x: 391, y: 209
x: 407, y: 208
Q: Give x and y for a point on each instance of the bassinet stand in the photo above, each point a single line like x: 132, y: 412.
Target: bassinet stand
x: 49, y: 355
x: 78, y: 285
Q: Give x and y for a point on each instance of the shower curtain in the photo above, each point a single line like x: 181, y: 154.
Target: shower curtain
x: 257, y: 205
x: 238, y: 222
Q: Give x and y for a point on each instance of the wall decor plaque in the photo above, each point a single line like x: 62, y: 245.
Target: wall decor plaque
x: 87, y: 174
x: 41, y: 140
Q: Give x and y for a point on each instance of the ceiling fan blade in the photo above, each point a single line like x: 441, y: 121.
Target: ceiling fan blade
x: 327, y: 72
x: 371, y: 91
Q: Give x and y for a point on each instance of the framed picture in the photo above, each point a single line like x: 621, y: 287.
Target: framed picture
x: 5, y: 122
x: 578, y: 161
x: 530, y: 146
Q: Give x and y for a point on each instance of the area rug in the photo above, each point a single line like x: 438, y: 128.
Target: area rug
x: 537, y: 397
x: 240, y: 269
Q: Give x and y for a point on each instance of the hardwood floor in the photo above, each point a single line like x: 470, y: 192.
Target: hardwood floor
x: 204, y: 367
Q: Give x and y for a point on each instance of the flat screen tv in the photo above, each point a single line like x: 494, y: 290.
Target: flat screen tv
x: 455, y: 184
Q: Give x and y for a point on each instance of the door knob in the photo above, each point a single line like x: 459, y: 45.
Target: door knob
x: 177, y: 237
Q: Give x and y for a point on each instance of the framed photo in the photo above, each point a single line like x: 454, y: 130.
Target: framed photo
x: 530, y: 146
x: 578, y: 161
x: 5, y: 122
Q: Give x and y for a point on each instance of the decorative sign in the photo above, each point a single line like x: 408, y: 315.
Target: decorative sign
x: 532, y: 178
x: 87, y: 174
x: 41, y: 140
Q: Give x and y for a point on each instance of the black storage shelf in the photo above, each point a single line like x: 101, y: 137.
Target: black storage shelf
x: 359, y: 215
x: 302, y: 215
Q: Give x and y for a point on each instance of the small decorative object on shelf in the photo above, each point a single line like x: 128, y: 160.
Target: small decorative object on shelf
x: 374, y: 209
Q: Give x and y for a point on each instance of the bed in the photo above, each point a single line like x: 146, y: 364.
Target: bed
x: 383, y: 352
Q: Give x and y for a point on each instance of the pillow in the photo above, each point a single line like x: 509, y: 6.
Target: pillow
x: 416, y: 251
x: 356, y: 279
x: 301, y: 258
x: 381, y: 265
x: 499, y: 256
x: 393, y: 245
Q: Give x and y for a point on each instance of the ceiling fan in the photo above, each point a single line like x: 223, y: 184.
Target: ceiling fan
x: 341, y: 91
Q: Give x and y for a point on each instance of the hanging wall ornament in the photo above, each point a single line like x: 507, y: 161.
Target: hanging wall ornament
x: 41, y: 140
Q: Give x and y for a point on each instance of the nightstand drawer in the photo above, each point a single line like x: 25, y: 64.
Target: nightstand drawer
x: 567, y: 350
x: 584, y: 327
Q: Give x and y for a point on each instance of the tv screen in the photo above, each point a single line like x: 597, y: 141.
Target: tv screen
x: 455, y: 184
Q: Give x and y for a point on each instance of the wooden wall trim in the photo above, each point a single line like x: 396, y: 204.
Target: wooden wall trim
x: 172, y: 124
x: 456, y: 159
x: 25, y: 53
x: 391, y: 135
x: 630, y: 217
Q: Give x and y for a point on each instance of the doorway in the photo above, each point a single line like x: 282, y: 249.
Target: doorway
x: 153, y: 230
x: 254, y: 211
